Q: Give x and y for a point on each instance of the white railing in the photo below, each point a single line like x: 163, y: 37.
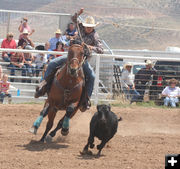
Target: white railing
x: 108, y: 60
x: 45, y: 24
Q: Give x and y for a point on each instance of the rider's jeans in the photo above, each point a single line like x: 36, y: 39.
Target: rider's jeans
x: 88, y: 72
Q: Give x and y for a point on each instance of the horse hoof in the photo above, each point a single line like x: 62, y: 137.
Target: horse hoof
x: 64, y: 131
x: 48, y: 139
x: 86, y: 152
x: 33, y: 130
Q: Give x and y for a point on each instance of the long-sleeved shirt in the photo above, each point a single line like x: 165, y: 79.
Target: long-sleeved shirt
x: 91, y: 38
x: 126, y: 79
x: 8, y: 44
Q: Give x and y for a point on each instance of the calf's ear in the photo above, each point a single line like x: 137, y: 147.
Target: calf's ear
x: 98, y: 106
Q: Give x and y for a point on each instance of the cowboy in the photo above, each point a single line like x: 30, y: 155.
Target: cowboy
x: 58, y: 38
x: 127, y: 82
x: 89, y: 37
x: 143, y: 77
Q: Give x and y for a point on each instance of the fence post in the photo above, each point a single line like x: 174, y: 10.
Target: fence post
x: 8, y: 22
x: 96, y: 86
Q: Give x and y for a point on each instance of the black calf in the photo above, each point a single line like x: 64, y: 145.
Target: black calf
x: 103, y: 125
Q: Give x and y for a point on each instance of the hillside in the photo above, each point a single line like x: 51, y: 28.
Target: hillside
x: 136, y: 24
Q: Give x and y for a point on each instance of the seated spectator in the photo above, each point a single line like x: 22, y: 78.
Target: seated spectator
x: 17, y: 63
x: 71, y: 31
x: 9, y: 42
x: 4, y: 89
x: 59, y: 48
x: 47, y: 47
x: 58, y: 37
x: 171, y: 93
x: 40, y: 60
x: 1, y: 72
x: 24, y: 25
x: 128, y: 84
x: 25, y: 39
x: 28, y: 62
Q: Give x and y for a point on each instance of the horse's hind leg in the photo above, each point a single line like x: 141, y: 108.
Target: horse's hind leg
x: 51, y: 116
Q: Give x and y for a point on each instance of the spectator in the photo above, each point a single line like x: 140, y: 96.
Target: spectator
x: 1, y: 72
x: 171, y: 93
x: 4, y: 89
x: 58, y: 38
x: 9, y: 42
x: 17, y: 63
x: 71, y: 31
x: 40, y: 60
x: 28, y: 62
x: 47, y: 47
x: 59, y: 48
x: 24, y: 25
x: 25, y: 39
x: 143, y: 77
x: 128, y: 84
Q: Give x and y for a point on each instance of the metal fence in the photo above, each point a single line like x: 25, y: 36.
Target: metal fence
x: 108, y: 69
x: 45, y: 24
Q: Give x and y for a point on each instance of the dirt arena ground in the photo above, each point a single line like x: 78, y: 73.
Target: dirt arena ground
x: 144, y: 137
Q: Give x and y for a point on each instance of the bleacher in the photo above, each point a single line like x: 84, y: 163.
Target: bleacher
x: 26, y: 89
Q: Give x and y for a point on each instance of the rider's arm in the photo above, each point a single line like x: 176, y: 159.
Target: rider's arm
x: 98, y: 47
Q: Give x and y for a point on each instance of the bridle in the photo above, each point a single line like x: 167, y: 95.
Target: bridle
x: 69, y: 69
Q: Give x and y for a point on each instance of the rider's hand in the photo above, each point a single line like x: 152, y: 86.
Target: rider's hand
x: 81, y: 11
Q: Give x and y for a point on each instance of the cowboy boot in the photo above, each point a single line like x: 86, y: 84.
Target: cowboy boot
x: 41, y: 89
x: 86, y: 104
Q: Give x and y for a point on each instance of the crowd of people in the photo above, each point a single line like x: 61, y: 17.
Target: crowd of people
x: 134, y: 87
x: 28, y: 64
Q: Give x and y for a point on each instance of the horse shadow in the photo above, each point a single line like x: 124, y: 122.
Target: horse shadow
x: 34, y: 145
x: 88, y: 156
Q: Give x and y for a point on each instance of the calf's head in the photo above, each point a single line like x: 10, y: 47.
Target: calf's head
x: 103, y: 112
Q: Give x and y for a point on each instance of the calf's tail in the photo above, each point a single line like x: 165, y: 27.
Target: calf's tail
x: 120, y: 119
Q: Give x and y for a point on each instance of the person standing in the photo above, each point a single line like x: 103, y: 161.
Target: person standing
x: 144, y: 76
x: 128, y: 84
x: 24, y: 25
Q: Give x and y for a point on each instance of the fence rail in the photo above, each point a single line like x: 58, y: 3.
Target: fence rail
x: 104, y: 68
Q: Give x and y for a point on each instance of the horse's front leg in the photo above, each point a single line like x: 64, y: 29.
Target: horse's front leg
x: 51, y: 116
x: 70, y: 112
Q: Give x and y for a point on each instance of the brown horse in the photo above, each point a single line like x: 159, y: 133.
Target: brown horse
x: 66, y: 91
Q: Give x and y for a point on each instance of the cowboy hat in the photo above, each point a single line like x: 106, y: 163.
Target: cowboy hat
x: 58, y: 31
x: 127, y: 64
x: 89, y: 22
x: 25, y: 31
x: 149, y: 62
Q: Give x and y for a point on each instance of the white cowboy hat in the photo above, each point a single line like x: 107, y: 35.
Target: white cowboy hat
x: 89, y: 22
x: 25, y: 31
x: 127, y: 64
x: 58, y: 31
x: 149, y: 62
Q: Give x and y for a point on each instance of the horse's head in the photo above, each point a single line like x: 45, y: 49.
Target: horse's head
x: 75, y: 59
